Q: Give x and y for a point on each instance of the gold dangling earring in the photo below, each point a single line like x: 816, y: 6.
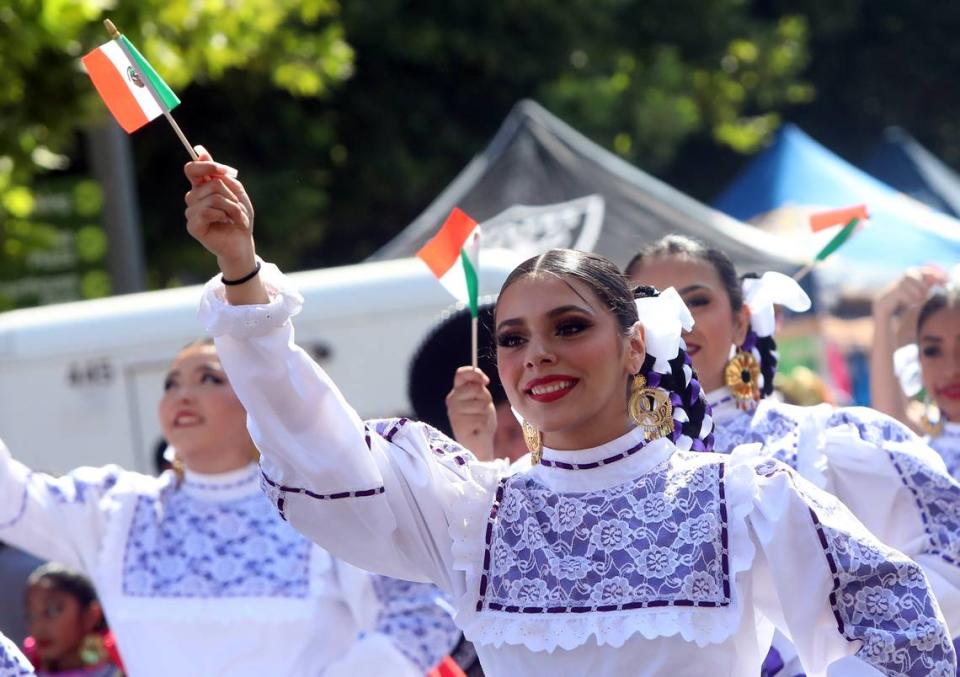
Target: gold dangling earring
x: 93, y: 650
x: 651, y: 409
x: 742, y: 377
x: 534, y: 441
x: 177, y: 466
x: 932, y: 425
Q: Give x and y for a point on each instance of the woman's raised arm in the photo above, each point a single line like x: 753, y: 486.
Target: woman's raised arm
x: 382, y: 496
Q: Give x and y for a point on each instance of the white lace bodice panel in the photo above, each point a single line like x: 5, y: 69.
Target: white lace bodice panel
x: 206, y: 564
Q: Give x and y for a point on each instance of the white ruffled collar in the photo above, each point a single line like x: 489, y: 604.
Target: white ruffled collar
x: 723, y: 405
x: 609, y: 464
x: 224, y: 486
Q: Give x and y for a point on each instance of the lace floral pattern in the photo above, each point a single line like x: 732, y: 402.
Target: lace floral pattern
x: 879, y: 596
x: 411, y: 617
x: 938, y: 501
x: 937, y: 497
x: 775, y: 430
x: 730, y: 433
x: 80, y: 485
x: 182, y: 547
x: 660, y: 540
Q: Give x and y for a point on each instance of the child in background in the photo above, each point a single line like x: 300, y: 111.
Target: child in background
x: 68, y: 632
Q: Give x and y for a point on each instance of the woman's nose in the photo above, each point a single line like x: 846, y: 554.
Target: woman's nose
x: 539, y: 353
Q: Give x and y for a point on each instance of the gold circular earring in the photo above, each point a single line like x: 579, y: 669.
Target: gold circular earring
x: 650, y: 408
x: 742, y: 377
x: 932, y: 425
x: 534, y: 441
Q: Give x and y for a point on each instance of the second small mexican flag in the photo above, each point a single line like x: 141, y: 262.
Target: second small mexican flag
x: 111, y: 67
x: 453, y: 255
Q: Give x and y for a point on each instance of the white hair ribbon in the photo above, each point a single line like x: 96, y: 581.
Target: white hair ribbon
x: 906, y: 365
x: 760, y: 295
x: 664, y: 318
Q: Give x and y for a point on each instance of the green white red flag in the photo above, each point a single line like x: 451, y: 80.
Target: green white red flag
x: 118, y: 72
x: 453, y: 256
x: 847, y: 222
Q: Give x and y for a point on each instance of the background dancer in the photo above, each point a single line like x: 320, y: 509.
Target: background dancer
x: 931, y: 305
x: 202, y: 562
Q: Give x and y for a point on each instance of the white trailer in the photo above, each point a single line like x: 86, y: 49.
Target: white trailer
x: 80, y: 382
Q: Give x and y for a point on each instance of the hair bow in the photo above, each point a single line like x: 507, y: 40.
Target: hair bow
x: 664, y: 318
x: 760, y: 295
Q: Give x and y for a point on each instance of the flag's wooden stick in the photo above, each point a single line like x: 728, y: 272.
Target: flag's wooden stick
x: 115, y: 34
x: 803, y: 272
x: 473, y: 340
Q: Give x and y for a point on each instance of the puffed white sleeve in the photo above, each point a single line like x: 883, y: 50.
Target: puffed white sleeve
x: 56, y: 518
x: 897, y: 486
x: 849, y: 604
x: 380, y: 496
x: 407, y: 626
x: 12, y: 661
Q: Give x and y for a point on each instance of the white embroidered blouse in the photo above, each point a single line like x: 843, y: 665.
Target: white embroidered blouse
x: 884, y: 473
x: 205, y: 578
x: 12, y: 661
x: 629, y: 558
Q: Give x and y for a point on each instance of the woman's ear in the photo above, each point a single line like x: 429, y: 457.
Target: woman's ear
x: 636, y: 348
x: 741, y: 323
x: 92, y: 617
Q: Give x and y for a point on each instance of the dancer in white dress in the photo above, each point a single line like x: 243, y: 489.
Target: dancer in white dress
x: 199, y: 575
x: 885, y: 474
x: 930, y: 302
x: 615, y: 554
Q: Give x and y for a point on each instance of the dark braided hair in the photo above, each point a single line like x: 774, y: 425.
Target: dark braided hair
x: 603, y: 278
x: 684, y: 387
x: 69, y: 581
x: 764, y: 348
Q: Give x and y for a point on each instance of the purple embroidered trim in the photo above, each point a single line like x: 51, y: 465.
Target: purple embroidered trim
x: 728, y: 398
x: 366, y: 436
x: 322, y: 497
x: 834, y: 571
x: 924, y: 511
x: 23, y: 506
x: 488, y: 538
x: 563, y: 465
x: 400, y: 422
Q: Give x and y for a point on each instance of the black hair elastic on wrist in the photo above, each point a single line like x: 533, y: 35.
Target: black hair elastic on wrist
x: 246, y: 278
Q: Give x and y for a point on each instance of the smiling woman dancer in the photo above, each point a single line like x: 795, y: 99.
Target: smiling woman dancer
x: 938, y: 353
x: 617, y: 553
x: 199, y: 575
x: 885, y: 474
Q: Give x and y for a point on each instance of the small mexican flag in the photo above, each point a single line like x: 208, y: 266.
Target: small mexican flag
x: 118, y: 71
x: 852, y: 220
x: 453, y: 255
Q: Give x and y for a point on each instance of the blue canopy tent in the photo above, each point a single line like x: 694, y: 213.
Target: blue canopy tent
x: 798, y: 171
x: 902, y: 163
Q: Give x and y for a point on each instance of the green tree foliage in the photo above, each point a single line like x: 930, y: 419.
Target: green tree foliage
x: 335, y: 176
x: 434, y: 80
x: 45, y: 99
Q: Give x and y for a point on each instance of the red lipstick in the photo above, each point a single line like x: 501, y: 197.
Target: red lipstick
x: 550, y: 388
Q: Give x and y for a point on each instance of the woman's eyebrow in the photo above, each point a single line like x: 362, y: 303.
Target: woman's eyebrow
x: 693, y: 287
x: 555, y: 312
